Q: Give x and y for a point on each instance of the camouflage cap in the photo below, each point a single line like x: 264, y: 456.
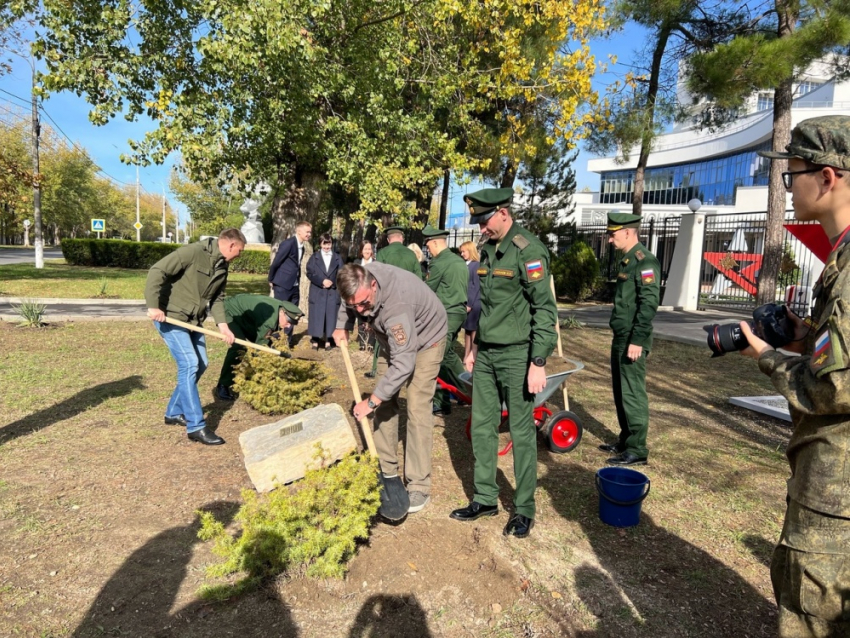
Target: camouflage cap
x: 820, y: 140
x: 429, y: 232
x: 618, y: 220
x: 484, y: 203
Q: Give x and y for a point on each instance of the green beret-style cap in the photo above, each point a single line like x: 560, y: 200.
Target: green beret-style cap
x: 395, y: 229
x: 429, y: 232
x: 820, y: 140
x: 484, y: 203
x: 618, y: 220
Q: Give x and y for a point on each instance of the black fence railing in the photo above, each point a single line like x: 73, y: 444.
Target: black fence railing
x: 732, y: 260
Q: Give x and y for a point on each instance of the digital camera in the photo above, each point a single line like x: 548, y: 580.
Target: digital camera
x: 770, y: 323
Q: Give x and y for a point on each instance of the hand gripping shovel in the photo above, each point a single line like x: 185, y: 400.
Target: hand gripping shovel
x: 395, y: 500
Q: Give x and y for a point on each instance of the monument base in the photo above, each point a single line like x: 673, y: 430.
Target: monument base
x: 775, y: 406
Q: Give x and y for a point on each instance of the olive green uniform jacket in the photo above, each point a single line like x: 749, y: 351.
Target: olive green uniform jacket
x: 400, y: 256
x: 448, y: 277
x: 182, y: 283
x: 636, y: 297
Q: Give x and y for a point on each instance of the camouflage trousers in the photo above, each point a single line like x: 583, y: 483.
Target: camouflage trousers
x: 811, y: 581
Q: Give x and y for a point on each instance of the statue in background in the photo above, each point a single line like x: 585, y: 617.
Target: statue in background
x: 253, y: 226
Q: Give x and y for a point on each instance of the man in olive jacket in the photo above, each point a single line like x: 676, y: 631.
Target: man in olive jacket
x: 448, y: 277
x: 809, y: 570
x: 395, y: 253
x: 636, y: 300
x: 181, y: 285
x: 252, y: 318
x: 516, y: 332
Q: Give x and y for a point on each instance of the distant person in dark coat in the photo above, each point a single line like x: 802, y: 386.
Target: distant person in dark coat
x: 322, y: 269
x: 469, y: 252
x: 365, y: 336
x: 285, y: 271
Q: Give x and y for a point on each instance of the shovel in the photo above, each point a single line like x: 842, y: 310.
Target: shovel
x: 218, y: 335
x: 395, y: 500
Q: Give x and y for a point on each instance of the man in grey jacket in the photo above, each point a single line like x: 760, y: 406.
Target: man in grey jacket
x: 409, y: 323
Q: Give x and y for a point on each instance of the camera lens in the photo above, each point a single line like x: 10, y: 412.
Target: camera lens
x: 725, y: 338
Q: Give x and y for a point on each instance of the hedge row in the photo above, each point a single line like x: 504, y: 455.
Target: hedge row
x: 118, y: 253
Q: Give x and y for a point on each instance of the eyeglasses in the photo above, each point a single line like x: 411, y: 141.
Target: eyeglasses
x: 788, y: 176
x: 363, y: 303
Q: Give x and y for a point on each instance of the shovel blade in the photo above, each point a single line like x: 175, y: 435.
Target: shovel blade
x: 394, y: 498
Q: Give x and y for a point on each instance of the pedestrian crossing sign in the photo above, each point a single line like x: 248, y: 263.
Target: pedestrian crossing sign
x: 98, y: 225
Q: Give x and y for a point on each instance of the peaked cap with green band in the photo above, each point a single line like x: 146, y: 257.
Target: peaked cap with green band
x: 484, y: 203
x: 395, y: 229
x: 617, y: 220
x: 429, y: 232
x: 820, y: 140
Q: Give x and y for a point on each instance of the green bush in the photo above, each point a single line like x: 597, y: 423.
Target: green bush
x: 314, y: 528
x: 576, y: 272
x: 142, y: 255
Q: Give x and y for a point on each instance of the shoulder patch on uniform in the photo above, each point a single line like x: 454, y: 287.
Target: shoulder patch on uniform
x: 639, y: 255
x: 399, y: 334
x: 520, y: 242
x: 827, y: 356
x: 647, y: 276
x: 534, y: 269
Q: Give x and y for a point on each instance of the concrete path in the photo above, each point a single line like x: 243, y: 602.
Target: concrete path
x: 26, y: 255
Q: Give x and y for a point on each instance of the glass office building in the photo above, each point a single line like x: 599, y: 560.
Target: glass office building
x: 713, y: 181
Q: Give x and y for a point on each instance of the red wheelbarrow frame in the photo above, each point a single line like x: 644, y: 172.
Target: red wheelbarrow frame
x: 563, y: 429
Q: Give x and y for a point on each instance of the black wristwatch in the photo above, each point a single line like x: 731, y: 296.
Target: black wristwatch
x: 371, y: 403
x: 538, y: 361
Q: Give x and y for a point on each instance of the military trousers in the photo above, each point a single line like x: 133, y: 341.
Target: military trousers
x: 811, y: 578
x: 629, y: 384
x: 451, y: 367
x: 500, y: 376
x: 420, y: 422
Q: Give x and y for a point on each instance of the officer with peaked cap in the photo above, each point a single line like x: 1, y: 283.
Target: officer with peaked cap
x: 516, y: 332
x: 809, y: 570
x: 448, y: 277
x: 636, y: 299
x: 395, y: 253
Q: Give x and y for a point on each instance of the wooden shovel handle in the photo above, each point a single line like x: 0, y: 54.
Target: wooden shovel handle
x: 355, y: 388
x: 218, y: 335
x: 560, y: 345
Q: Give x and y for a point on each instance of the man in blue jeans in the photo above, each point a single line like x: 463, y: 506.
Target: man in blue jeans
x: 173, y: 289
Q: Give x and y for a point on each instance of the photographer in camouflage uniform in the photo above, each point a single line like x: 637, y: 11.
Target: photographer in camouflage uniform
x: 811, y: 564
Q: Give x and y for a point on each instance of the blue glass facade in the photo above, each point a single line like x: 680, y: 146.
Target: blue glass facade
x: 713, y: 182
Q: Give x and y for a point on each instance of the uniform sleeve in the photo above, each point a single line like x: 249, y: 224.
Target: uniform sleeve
x: 544, y: 312
x: 435, y: 275
x: 217, y: 303
x: 818, y: 382
x: 647, y: 297
x: 166, y: 269
x: 403, y: 348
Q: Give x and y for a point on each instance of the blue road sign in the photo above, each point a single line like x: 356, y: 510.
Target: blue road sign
x: 98, y: 225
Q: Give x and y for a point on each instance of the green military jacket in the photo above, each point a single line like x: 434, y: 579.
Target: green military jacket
x: 400, y: 256
x: 817, y: 387
x: 517, y: 305
x: 448, y: 277
x: 182, y: 283
x: 636, y: 297
x: 257, y: 315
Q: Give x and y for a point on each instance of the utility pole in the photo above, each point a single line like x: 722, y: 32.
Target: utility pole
x: 138, y: 230
x: 36, y: 178
x: 177, y: 226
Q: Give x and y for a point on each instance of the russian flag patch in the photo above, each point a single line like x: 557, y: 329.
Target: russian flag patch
x: 647, y: 276
x: 534, y: 269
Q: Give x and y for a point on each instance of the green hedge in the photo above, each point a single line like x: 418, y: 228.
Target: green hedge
x: 576, y: 272
x: 117, y: 253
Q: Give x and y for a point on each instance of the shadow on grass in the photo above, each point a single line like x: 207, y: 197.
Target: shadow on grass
x: 385, y: 616
x: 70, y: 407
x: 137, y: 600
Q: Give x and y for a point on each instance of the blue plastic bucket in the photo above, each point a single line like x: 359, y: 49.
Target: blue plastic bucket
x: 621, y: 492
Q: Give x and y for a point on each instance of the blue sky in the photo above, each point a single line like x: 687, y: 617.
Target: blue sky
x: 68, y: 115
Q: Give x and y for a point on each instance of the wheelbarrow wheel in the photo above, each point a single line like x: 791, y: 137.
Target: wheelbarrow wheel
x: 563, y: 432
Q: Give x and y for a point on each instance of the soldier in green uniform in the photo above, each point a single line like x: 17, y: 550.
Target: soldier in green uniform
x: 810, y: 570
x: 635, y: 304
x: 448, y: 277
x: 252, y: 318
x: 516, y: 332
x: 395, y: 253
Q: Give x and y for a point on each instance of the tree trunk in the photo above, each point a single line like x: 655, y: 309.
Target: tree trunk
x: 782, y: 98
x: 649, y: 117
x: 444, y: 198
x: 348, y: 245
x: 297, y: 199
x: 509, y: 175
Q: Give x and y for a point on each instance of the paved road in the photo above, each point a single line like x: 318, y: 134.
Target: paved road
x: 26, y: 255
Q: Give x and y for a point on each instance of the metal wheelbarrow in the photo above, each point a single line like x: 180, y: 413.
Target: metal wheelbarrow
x: 563, y: 429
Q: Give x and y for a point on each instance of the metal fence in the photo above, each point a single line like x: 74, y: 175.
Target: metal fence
x: 732, y: 258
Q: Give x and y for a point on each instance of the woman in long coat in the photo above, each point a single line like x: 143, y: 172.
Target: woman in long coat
x: 469, y: 252
x: 322, y: 269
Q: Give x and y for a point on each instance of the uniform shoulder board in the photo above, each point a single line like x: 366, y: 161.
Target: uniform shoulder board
x: 639, y: 255
x: 520, y: 242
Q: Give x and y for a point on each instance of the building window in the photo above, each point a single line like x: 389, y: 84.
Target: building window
x: 765, y: 101
x: 807, y: 86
